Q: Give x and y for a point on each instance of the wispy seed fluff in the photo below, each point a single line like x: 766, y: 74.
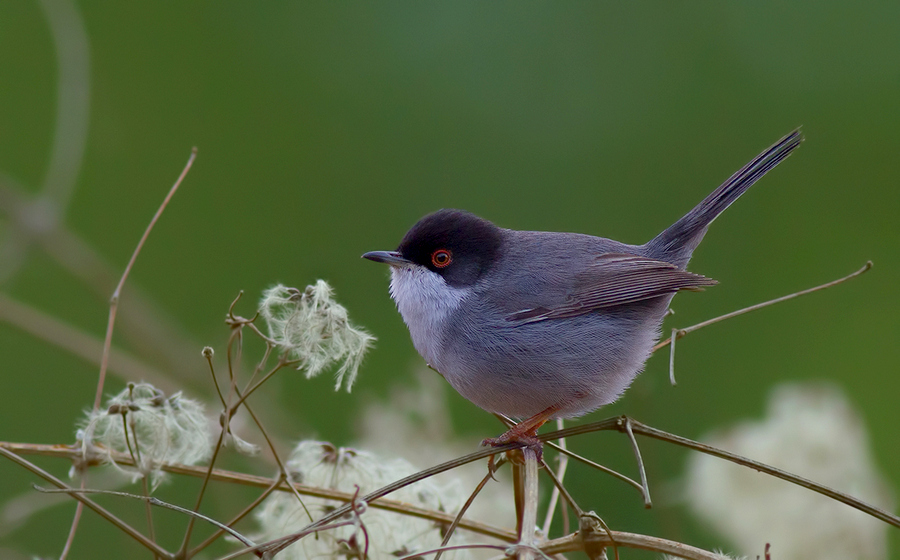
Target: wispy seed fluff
x: 810, y: 429
x: 390, y: 535
x: 144, y: 423
x: 311, y: 327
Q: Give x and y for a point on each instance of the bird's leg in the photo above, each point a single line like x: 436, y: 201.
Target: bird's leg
x: 525, y: 431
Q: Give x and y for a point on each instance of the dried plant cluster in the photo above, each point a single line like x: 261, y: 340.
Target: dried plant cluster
x: 150, y: 428
x: 326, y: 501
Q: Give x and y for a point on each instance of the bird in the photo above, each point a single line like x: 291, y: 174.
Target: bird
x: 537, y: 325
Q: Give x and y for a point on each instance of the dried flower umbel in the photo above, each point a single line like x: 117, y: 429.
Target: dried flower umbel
x: 312, y: 328
x: 152, y: 428
x: 812, y: 430
x: 388, y: 534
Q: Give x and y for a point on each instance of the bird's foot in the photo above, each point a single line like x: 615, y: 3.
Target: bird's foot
x: 522, y: 434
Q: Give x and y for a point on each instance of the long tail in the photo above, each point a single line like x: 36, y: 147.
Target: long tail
x: 680, y: 239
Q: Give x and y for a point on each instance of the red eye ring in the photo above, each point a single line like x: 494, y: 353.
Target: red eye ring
x: 441, y: 258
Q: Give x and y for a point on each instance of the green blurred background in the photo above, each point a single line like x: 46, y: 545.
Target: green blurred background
x: 325, y: 129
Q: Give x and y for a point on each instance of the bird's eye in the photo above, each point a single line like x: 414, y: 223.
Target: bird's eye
x: 441, y: 258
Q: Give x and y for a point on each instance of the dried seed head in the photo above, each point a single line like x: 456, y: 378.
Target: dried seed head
x: 312, y: 328
x: 142, y: 422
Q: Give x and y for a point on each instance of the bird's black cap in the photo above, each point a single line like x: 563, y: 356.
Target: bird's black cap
x: 456, y: 244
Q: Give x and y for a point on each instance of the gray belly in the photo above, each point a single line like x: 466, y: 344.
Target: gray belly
x: 577, y: 364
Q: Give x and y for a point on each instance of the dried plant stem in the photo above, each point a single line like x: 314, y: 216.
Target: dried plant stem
x: 231, y: 409
x: 618, y: 424
x: 562, y: 450
x: 262, y: 362
x: 75, y: 454
x: 285, y: 475
x: 109, y: 516
x: 212, y: 371
x: 595, y: 465
x: 678, y: 333
x: 269, y: 549
x: 440, y: 550
x: 238, y: 324
x: 249, y: 391
x: 186, y: 540
x: 878, y: 513
x: 527, y: 540
x: 151, y: 501
x: 570, y: 543
x: 79, y: 508
x: 672, y: 340
x: 145, y: 486
x: 114, y: 300
x: 558, y: 478
x: 574, y: 542
x: 570, y: 501
x: 212, y: 538
x: 462, y: 511
x: 640, y: 463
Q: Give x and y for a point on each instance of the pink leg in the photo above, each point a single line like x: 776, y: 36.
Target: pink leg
x: 525, y: 431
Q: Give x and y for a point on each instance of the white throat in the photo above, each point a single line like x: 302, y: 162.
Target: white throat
x: 425, y: 302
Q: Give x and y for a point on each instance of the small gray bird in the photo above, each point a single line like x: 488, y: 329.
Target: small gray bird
x: 538, y: 325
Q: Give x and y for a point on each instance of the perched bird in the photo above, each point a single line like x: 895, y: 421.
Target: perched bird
x: 538, y: 325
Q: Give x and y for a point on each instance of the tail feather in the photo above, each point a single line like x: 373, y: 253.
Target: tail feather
x: 680, y: 239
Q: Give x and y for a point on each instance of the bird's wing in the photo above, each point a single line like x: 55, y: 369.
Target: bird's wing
x: 615, y: 279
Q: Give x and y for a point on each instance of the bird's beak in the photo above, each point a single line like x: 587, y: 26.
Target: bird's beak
x: 392, y: 258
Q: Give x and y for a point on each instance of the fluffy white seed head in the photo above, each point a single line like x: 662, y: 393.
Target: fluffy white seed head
x: 142, y: 422
x: 390, y: 534
x: 311, y: 327
x: 810, y: 430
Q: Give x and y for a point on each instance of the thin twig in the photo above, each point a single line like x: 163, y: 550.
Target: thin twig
x: 672, y: 357
x: 878, y: 513
x: 153, y: 502
x: 678, y: 333
x: 462, y: 511
x: 262, y: 362
x: 563, y: 461
x: 208, y: 354
x: 106, y: 514
x: 247, y: 392
x: 406, y: 481
x: 640, y: 464
x: 618, y: 423
x: 442, y: 548
x: 558, y: 485
x: 518, y: 486
x: 114, y: 300
x: 529, y: 513
x: 244, y: 512
x: 76, y: 519
x: 75, y: 454
x: 281, y: 466
x: 134, y: 457
x: 572, y: 543
x: 265, y: 549
x: 598, y: 466
x: 186, y: 540
x: 151, y: 534
x: 591, y: 536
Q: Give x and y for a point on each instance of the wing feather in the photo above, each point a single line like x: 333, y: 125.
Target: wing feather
x: 616, y: 279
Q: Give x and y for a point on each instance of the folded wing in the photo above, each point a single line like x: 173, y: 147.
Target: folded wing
x: 615, y: 279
